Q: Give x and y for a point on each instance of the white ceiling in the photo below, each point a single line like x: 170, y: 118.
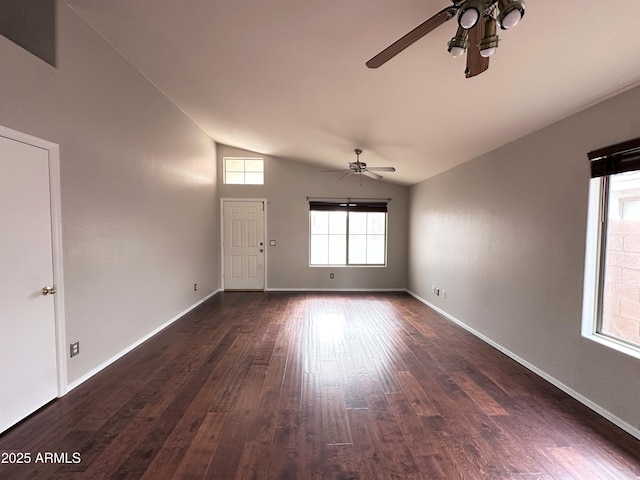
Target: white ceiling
x: 288, y: 77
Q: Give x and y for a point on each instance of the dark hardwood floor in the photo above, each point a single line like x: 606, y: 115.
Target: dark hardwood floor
x: 318, y: 386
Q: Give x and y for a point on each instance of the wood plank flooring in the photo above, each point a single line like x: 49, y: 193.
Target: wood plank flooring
x: 318, y: 386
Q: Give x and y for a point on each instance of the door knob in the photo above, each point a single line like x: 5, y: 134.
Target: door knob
x: 48, y: 290
x: 262, y: 250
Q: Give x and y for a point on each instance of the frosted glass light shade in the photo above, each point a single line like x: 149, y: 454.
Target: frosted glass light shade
x: 511, y: 19
x: 469, y: 18
x: 456, y: 51
x: 487, y: 52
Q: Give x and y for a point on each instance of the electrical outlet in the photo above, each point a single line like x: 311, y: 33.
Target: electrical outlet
x: 331, y: 275
x: 74, y: 349
x: 195, y: 287
x: 444, y: 294
x: 433, y: 289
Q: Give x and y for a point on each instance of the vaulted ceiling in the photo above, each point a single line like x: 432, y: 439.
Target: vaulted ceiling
x: 288, y: 78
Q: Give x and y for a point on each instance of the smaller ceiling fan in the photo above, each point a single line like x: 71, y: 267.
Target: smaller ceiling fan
x: 360, y: 168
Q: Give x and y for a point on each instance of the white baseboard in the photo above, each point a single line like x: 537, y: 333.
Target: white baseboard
x: 336, y: 290
x: 122, y: 353
x: 569, y: 391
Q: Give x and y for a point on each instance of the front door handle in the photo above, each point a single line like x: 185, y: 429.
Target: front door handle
x: 48, y: 290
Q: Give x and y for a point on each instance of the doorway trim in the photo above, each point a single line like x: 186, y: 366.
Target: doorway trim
x: 55, y: 199
x: 231, y: 199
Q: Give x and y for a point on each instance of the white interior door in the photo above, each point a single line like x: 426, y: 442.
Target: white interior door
x: 28, y: 370
x: 243, y: 243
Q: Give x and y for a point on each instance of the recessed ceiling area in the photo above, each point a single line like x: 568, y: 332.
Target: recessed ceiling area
x: 288, y: 78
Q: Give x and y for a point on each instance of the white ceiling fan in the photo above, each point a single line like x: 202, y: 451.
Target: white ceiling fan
x: 361, y: 168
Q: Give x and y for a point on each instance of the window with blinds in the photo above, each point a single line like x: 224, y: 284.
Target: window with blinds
x: 347, y: 233
x: 612, y: 269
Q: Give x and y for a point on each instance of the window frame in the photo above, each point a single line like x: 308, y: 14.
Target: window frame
x: 619, y: 158
x: 350, y: 206
x: 624, y: 200
x: 244, y: 170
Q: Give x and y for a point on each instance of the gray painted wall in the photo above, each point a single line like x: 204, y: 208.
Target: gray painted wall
x: 138, y: 183
x: 504, y: 235
x: 287, y: 184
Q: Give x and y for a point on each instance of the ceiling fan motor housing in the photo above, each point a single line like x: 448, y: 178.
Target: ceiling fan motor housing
x: 357, y: 166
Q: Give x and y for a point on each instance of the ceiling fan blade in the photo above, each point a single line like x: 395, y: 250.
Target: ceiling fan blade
x: 476, y: 63
x: 346, y: 175
x: 341, y: 170
x: 381, y: 169
x: 413, y: 36
x: 371, y: 174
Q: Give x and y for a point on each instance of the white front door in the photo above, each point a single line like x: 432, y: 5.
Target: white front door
x: 28, y: 370
x: 243, y: 244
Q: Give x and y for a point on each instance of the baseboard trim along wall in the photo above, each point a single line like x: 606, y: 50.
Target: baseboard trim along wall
x: 569, y: 391
x: 335, y: 290
x: 122, y: 353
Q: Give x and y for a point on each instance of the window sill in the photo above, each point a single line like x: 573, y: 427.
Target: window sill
x: 614, y: 344
x: 348, y: 266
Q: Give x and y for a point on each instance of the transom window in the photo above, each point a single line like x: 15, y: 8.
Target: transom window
x: 244, y: 171
x: 349, y: 233
x: 612, y: 269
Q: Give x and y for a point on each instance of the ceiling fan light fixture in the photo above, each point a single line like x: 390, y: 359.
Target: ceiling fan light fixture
x: 478, y: 40
x: 470, y: 13
x: 459, y: 44
x: 468, y: 17
x: 456, y: 51
x: 488, y: 52
x: 490, y: 40
x: 511, y: 12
